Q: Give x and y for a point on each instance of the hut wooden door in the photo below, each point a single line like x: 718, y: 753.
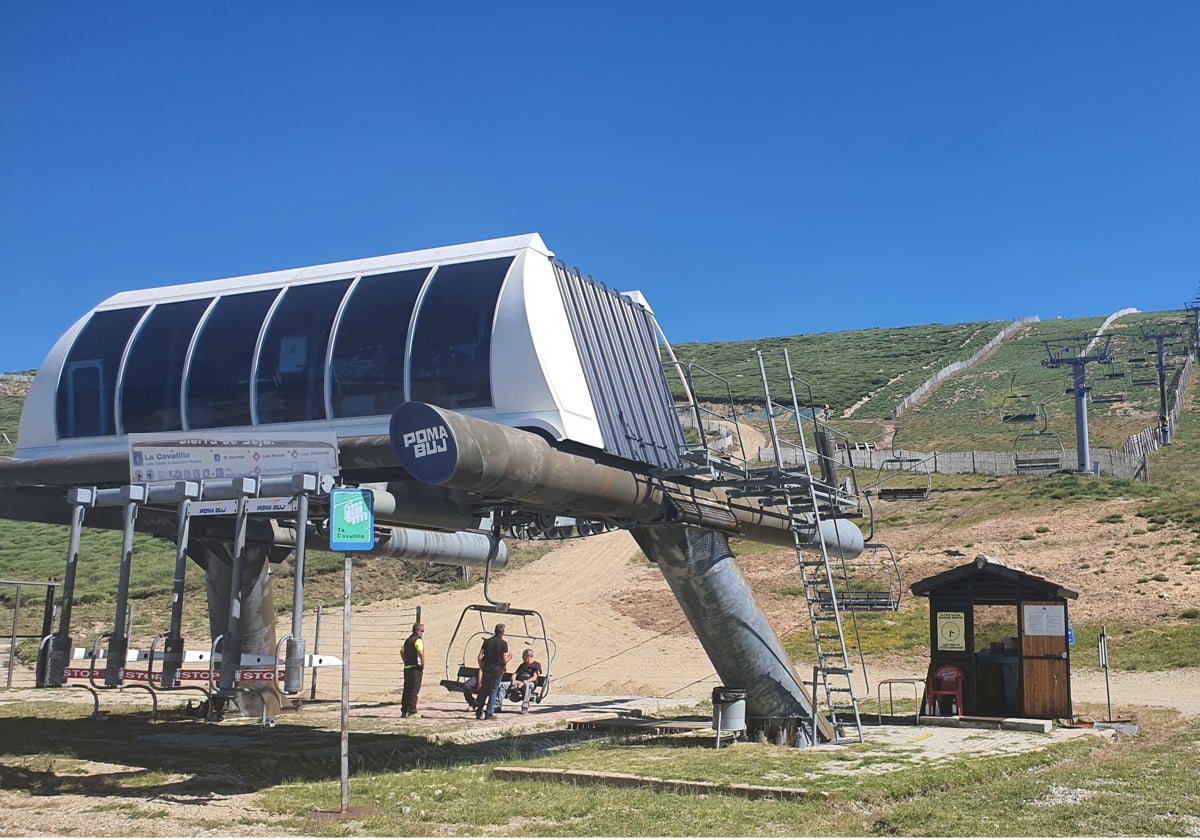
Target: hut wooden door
x: 1045, y: 687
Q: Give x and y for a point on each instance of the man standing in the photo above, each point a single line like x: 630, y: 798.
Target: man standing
x: 493, y: 657
x: 414, y: 669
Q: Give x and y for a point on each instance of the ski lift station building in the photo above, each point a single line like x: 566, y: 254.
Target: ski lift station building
x: 543, y: 393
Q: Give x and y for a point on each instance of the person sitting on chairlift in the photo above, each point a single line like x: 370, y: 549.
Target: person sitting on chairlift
x: 525, y: 679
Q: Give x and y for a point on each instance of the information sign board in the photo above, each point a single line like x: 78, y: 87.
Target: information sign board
x: 351, y: 519
x: 1045, y: 620
x: 172, y: 457
x: 951, y: 631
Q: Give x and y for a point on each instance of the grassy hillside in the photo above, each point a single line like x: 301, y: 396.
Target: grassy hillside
x: 863, y: 375
x: 842, y: 368
x: 966, y: 412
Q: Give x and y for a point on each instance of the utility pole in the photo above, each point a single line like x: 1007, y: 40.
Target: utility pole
x: 1158, y: 334
x: 1077, y: 351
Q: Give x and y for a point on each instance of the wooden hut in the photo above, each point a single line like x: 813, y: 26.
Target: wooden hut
x: 1028, y: 675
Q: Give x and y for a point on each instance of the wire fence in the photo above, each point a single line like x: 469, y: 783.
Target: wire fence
x: 955, y: 367
x: 376, y: 674
x: 376, y: 670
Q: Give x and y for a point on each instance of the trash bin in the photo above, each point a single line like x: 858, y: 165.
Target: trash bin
x: 729, y: 708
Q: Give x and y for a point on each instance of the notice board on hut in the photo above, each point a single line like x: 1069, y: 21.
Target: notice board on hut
x: 1025, y: 675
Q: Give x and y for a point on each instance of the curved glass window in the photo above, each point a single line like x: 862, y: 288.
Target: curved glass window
x: 452, y: 341
x: 291, y: 366
x: 150, y: 398
x: 218, y: 389
x: 89, y: 375
x: 368, y: 353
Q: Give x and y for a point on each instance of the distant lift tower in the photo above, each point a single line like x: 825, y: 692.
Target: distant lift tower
x: 1077, y: 352
x: 1158, y: 333
x: 1193, y: 306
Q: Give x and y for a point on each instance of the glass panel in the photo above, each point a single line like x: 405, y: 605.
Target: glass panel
x: 452, y: 342
x: 154, y: 372
x: 89, y: 376
x: 368, y: 354
x: 218, y: 391
x: 291, y: 368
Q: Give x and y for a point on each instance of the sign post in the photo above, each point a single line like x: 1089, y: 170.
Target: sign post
x: 351, y: 528
x: 1102, y: 645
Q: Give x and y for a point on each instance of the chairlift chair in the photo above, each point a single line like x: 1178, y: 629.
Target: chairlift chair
x: 1117, y: 372
x: 1017, y: 408
x: 870, y: 582
x: 898, y: 462
x: 468, y: 637
x: 1031, y: 456
x: 478, y: 621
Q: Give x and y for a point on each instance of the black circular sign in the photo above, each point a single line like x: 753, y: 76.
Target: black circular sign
x: 423, y: 443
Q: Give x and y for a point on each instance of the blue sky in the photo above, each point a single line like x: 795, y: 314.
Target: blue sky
x: 756, y: 169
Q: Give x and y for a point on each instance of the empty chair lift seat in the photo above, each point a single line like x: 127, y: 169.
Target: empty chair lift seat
x: 945, y: 684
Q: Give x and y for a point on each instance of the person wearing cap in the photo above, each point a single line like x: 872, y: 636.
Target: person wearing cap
x: 525, y: 679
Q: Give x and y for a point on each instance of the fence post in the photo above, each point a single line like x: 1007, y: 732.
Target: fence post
x: 12, y: 642
x: 312, y: 693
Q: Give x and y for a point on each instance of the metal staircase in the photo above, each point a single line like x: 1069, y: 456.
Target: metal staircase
x: 789, y: 478
x: 806, y: 496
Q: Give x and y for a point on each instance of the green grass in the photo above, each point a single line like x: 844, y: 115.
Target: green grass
x: 840, y: 367
x: 1140, y: 647
x: 880, y: 632
x: 965, y: 414
x: 10, y: 420
x: 1144, y: 785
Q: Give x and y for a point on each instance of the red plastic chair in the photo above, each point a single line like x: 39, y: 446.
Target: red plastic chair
x: 945, y: 684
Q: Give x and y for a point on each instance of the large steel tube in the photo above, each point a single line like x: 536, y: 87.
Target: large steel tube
x: 739, y: 641
x: 438, y: 446
x: 465, y: 453
x: 424, y: 506
x: 770, y: 524
x: 459, y: 549
x: 109, y: 468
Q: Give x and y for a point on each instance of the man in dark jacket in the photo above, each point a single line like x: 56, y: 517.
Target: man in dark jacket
x: 493, y: 657
x: 414, y: 669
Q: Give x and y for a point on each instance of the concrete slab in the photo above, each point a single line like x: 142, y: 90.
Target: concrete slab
x: 969, y: 722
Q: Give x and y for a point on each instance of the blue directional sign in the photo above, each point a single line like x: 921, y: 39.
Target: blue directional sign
x: 351, y: 519
x: 1070, y: 636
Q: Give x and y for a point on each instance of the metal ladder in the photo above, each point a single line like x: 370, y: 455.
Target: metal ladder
x: 833, y: 672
